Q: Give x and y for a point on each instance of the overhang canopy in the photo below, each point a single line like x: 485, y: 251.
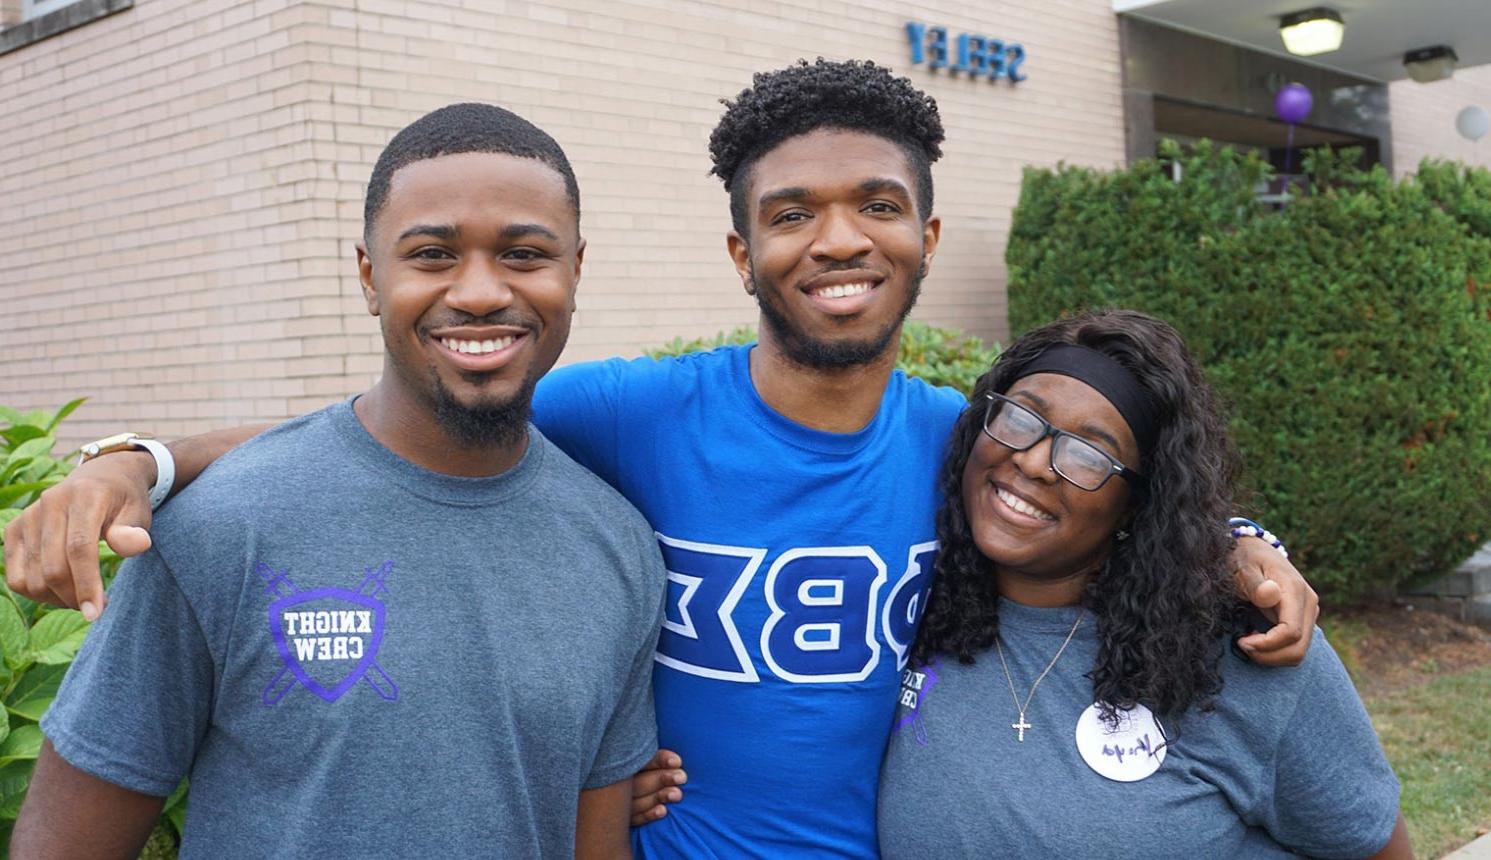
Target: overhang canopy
x: 1378, y: 32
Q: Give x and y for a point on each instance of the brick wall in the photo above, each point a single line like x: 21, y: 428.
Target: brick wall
x: 1424, y: 119
x: 183, y: 180
x: 169, y: 234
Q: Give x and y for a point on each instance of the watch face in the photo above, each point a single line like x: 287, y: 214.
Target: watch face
x: 108, y: 444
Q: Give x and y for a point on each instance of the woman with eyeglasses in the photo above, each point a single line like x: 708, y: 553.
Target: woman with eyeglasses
x: 1072, y: 692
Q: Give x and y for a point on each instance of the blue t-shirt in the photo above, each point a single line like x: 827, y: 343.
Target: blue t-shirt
x: 354, y: 657
x: 1286, y: 763
x: 797, y: 564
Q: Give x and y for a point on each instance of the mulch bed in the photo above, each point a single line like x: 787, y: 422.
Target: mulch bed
x: 1406, y: 646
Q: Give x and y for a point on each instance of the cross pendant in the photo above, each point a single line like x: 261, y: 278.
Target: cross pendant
x: 1021, y: 727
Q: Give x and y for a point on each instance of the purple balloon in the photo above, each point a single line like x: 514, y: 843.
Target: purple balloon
x: 1293, y: 103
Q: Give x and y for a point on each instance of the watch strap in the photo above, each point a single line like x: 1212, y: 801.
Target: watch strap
x: 165, y: 469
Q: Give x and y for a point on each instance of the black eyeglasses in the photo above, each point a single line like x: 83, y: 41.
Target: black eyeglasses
x: 1079, y: 461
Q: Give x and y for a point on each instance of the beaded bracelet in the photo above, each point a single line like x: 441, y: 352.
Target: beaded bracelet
x: 1244, y: 527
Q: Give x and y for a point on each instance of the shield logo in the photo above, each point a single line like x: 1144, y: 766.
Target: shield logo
x: 328, y: 638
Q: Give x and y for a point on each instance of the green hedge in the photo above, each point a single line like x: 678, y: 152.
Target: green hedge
x: 1351, y: 331
x: 37, y: 642
x: 940, y: 356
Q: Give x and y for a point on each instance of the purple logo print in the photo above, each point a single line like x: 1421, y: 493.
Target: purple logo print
x: 328, y: 637
x: 915, y: 684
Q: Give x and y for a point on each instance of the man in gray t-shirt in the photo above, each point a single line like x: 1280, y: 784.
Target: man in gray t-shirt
x: 470, y: 677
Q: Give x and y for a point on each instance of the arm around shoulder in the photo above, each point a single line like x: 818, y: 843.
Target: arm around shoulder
x: 193, y: 454
x: 51, y: 549
x: 69, y: 813
x: 1265, y: 578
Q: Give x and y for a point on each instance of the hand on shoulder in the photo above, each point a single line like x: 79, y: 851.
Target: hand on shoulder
x: 51, y: 549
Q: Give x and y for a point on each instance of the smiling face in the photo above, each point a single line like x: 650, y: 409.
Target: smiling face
x: 1035, y: 526
x: 471, y: 268
x: 836, y: 249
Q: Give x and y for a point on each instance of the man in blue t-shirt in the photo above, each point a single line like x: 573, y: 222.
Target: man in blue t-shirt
x: 289, y: 645
x: 791, y: 483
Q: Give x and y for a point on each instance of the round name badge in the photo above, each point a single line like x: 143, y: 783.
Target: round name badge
x: 1129, y: 753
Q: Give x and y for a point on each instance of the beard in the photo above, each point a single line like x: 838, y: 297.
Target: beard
x: 803, y: 349
x: 498, y: 423
x: 484, y: 424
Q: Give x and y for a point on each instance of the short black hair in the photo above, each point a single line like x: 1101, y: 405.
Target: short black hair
x: 458, y: 128
x: 804, y: 97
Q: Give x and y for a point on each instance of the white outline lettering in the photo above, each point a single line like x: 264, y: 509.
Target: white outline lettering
x: 747, y: 671
x: 803, y: 643
x: 690, y: 585
x: 777, y: 613
x: 913, y: 569
x: 806, y: 597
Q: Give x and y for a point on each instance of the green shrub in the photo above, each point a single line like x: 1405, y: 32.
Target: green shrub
x: 38, y: 642
x: 678, y: 346
x: 1464, y: 193
x: 944, y: 356
x: 1350, y: 331
x: 938, y: 355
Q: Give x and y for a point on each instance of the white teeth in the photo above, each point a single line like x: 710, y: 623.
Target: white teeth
x: 1021, y: 505
x: 476, y: 347
x: 840, y: 291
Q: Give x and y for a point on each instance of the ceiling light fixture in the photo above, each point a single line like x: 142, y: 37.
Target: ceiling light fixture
x: 1311, y: 32
x: 1434, y: 63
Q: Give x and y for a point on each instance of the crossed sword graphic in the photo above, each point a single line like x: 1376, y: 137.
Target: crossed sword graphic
x: 278, y: 585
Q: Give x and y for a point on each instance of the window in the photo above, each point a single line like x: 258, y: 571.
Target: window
x: 37, y: 8
x: 40, y: 19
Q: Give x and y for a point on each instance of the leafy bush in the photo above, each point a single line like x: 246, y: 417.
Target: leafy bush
x: 938, y: 355
x: 1462, y: 192
x: 1351, y: 331
x: 38, y: 642
x: 678, y: 346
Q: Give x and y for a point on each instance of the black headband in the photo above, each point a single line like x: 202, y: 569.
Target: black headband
x: 1109, y: 378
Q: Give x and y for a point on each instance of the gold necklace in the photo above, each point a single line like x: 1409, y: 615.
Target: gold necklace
x: 1021, y: 726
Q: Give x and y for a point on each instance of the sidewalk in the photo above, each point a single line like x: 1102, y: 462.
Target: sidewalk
x: 1477, y: 850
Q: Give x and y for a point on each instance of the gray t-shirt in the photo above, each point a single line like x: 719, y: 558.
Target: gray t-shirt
x: 351, y: 656
x: 1287, y: 758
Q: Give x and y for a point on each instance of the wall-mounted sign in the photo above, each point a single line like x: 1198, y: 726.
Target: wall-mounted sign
x: 974, y: 55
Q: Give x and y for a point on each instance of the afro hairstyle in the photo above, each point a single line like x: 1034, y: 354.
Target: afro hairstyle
x: 458, y: 128
x: 804, y: 97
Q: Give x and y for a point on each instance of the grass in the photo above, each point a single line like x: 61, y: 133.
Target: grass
x: 1437, y: 735
x: 1346, y: 633
x: 1438, y: 738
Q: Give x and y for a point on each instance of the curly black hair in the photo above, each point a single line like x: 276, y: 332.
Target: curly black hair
x: 804, y: 97
x: 1163, y: 600
x: 458, y: 128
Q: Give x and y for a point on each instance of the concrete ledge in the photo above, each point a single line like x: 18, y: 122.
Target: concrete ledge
x: 1471, y: 610
x: 1464, y: 594
x: 1464, y: 582
x: 59, y: 21
x: 1480, y: 849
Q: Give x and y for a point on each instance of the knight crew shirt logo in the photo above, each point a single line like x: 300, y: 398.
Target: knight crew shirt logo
x: 916, y: 683
x: 328, y: 638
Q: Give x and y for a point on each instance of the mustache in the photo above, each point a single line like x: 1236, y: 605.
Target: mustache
x: 860, y: 262
x: 505, y: 317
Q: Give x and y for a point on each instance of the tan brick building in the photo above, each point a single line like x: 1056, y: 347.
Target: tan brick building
x: 182, y: 179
